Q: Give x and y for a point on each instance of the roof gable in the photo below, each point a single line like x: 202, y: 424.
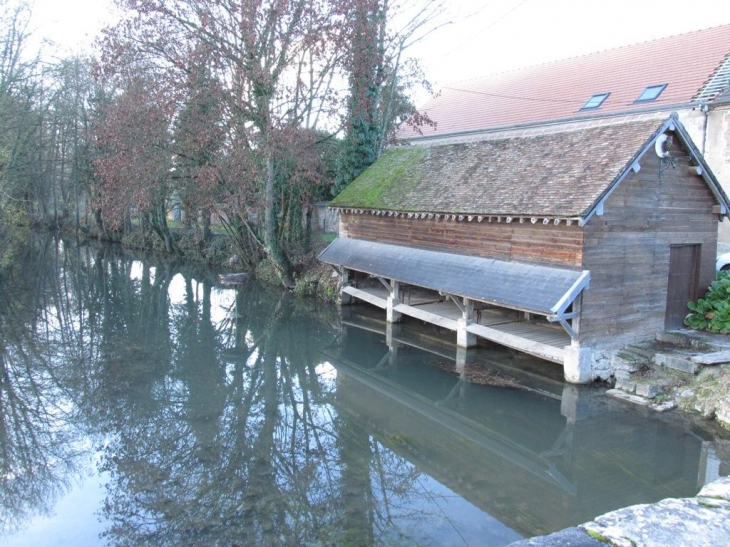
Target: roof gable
x: 673, y: 125
x: 564, y: 173
x: 688, y: 63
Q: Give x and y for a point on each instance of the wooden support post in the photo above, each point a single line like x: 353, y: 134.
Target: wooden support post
x: 345, y: 298
x: 575, y: 321
x: 464, y: 338
x: 393, y: 300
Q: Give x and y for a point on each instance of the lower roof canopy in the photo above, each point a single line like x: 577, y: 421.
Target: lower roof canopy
x: 537, y: 289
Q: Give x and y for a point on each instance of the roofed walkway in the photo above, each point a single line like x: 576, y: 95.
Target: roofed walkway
x: 499, y: 325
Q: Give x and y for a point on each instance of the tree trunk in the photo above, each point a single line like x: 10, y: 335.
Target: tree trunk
x: 205, y: 214
x: 273, y: 249
x: 159, y: 225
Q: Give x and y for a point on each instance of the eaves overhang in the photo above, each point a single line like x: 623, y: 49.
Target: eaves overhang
x: 462, y: 217
x: 543, y: 290
x: 672, y: 124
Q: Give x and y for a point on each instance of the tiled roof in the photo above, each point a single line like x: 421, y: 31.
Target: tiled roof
x: 558, y: 90
x: 558, y: 173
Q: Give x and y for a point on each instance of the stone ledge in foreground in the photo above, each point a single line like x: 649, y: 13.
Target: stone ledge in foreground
x: 700, y: 521
x: 570, y: 537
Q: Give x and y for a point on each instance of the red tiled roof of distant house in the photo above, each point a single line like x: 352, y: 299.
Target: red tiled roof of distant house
x: 560, y: 89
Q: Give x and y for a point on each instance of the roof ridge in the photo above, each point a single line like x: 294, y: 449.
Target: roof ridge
x: 583, y: 55
x: 533, y: 130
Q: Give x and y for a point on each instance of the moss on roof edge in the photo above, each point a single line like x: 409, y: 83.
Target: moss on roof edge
x: 381, y: 184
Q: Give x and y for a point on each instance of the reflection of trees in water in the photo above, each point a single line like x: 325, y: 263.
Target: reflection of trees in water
x: 60, y: 306
x: 240, y: 453
x: 37, y: 454
x: 244, y: 447
x: 212, y: 432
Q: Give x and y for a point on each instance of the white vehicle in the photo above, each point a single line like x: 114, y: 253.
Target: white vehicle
x: 723, y: 262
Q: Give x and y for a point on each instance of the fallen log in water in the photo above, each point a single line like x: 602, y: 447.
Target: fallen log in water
x: 234, y: 278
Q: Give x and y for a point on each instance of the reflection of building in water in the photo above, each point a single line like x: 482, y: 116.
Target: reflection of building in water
x: 533, y: 452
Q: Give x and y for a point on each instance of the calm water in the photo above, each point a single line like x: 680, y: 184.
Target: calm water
x: 143, y: 404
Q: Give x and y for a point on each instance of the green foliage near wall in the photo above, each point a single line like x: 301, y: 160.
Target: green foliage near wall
x: 712, y: 313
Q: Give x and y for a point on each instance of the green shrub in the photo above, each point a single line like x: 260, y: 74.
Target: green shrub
x: 306, y: 285
x: 712, y: 313
x: 266, y: 273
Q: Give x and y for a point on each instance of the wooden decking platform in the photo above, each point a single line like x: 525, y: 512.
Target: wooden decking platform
x: 531, y: 374
x: 499, y: 325
x: 543, y: 341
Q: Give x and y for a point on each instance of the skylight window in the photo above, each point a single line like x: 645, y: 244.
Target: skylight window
x: 651, y: 93
x: 595, y: 101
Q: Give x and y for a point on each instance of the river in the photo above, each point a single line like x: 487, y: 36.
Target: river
x: 145, y: 404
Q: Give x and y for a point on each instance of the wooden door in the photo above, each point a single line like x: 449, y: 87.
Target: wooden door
x: 684, y: 261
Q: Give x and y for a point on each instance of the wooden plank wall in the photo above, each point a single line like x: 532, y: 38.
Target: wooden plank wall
x: 627, y: 250
x: 532, y: 243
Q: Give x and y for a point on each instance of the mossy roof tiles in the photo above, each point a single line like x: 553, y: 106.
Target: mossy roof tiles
x: 561, y: 174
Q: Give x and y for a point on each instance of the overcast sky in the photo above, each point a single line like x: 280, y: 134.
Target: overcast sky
x: 71, y: 25
x: 484, y: 37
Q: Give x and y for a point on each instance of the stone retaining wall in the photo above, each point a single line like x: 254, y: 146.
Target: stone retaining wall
x: 702, y: 521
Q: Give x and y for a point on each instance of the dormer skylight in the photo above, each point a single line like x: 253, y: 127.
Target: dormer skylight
x: 651, y: 93
x: 595, y: 101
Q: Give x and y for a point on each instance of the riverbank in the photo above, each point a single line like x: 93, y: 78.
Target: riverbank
x: 311, y: 277
x: 702, y: 521
x: 688, y: 370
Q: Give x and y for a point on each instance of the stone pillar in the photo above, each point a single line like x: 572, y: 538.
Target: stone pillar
x: 461, y: 361
x: 345, y: 298
x: 569, y: 403
x: 393, y: 356
x: 466, y: 339
x: 575, y: 403
x: 461, y: 355
x: 392, y: 330
x: 389, y: 332
x: 393, y: 300
x: 577, y: 365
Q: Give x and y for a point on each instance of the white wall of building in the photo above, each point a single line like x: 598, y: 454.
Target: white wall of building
x: 711, y: 133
